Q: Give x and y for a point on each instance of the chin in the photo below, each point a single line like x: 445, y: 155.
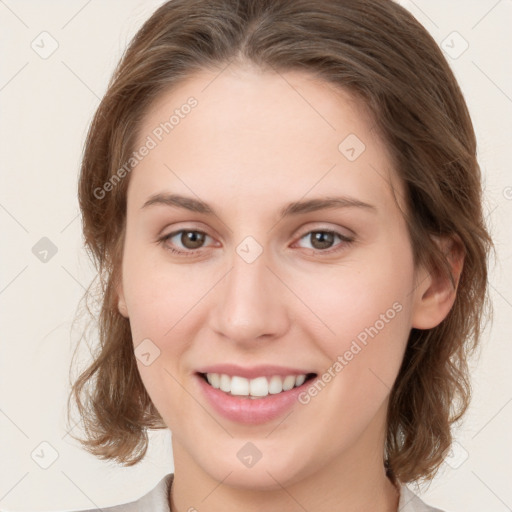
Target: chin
x: 266, y: 468
x: 258, y: 478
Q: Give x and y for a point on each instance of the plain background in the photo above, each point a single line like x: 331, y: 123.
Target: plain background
x: 46, y: 103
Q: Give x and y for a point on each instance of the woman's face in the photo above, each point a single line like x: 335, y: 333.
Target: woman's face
x: 268, y: 283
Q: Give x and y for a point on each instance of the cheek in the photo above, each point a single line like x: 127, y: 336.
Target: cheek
x: 157, y: 294
x: 368, y: 308
x: 161, y: 304
x: 369, y: 313
x: 361, y: 300
x: 164, y: 305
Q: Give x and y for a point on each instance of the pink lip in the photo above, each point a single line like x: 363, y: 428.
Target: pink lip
x: 253, y: 371
x: 247, y: 410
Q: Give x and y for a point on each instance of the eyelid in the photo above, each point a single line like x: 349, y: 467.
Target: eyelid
x: 165, y: 237
x: 345, y: 240
x: 341, y: 231
x: 303, y: 231
x: 185, y: 226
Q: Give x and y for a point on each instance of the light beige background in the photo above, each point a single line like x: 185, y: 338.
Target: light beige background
x: 45, y: 107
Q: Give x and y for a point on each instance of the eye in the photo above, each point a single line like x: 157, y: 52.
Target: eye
x: 190, y: 240
x: 322, y: 240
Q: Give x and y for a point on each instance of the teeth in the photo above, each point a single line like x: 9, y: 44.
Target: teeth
x: 225, y: 383
x: 275, y: 386
x: 258, y: 387
x: 214, y: 380
x: 239, y: 386
x: 299, y: 380
x: 288, y: 382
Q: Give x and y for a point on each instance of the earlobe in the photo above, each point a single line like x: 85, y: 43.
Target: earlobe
x: 121, y: 304
x: 435, y: 292
x: 122, y: 308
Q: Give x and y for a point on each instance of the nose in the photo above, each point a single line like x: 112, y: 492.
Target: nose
x: 250, y: 303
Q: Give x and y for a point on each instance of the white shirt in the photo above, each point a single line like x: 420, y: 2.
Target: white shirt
x: 156, y: 500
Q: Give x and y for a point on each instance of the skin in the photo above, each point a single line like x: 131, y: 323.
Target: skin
x: 255, y: 142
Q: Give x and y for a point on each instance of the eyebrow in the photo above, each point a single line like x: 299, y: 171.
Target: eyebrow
x: 293, y: 208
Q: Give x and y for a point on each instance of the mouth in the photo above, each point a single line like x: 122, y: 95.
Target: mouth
x: 252, y: 395
x: 258, y: 387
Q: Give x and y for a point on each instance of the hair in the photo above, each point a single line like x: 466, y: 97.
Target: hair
x: 375, y: 50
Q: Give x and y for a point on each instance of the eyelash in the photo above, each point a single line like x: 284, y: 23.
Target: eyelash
x: 347, y: 241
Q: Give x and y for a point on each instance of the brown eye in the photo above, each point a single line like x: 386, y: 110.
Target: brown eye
x: 184, y: 241
x: 192, y: 239
x: 323, y: 240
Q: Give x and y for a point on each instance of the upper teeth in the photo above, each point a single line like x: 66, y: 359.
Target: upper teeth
x: 259, y: 386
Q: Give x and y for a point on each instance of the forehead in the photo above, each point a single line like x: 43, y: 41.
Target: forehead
x: 251, y: 132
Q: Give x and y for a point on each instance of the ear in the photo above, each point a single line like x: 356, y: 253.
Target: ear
x: 121, y: 303
x: 435, y: 294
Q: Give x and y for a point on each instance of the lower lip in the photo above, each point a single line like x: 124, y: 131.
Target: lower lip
x: 247, y: 410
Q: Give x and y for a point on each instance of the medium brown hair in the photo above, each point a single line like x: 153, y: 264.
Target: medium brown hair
x: 380, y: 53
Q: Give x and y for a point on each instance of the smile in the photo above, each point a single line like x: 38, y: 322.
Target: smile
x: 258, y: 387
x: 253, y: 395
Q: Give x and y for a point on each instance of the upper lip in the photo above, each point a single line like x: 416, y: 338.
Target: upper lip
x: 251, y: 372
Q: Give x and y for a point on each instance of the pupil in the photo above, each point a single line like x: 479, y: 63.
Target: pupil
x: 324, y: 238
x: 192, y: 239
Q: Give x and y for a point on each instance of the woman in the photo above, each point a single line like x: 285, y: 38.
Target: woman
x: 308, y: 348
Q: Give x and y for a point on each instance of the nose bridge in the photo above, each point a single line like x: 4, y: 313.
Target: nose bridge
x: 250, y: 303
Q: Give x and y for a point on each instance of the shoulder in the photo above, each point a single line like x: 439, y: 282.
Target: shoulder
x: 156, y: 500
x: 409, y: 502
